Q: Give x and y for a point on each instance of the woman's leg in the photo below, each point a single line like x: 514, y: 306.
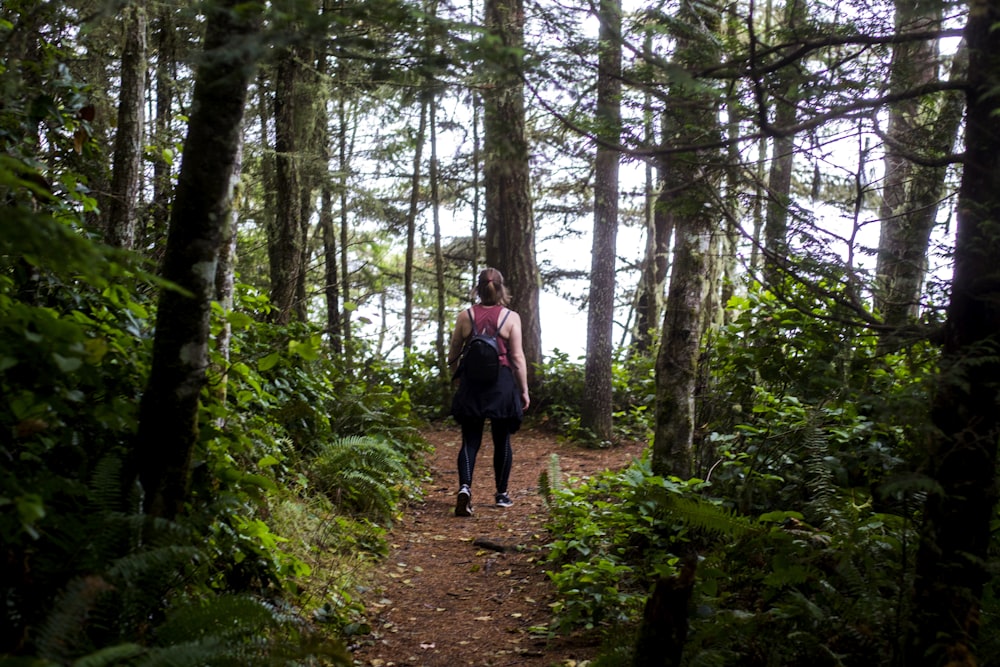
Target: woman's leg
x: 503, y: 455
x: 472, y: 439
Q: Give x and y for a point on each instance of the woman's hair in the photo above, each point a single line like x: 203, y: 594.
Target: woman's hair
x: 490, y: 288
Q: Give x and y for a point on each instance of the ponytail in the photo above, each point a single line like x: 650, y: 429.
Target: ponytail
x: 490, y: 288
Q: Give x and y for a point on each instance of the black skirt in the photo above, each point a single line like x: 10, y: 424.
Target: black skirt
x: 500, y: 400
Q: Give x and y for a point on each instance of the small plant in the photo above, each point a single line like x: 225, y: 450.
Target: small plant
x: 617, y: 531
x: 363, y: 475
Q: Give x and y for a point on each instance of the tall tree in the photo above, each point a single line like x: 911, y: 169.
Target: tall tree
x: 168, y: 421
x: 411, y: 222
x: 328, y: 230
x: 165, y: 81
x: 596, y: 410
x: 779, y: 178
x: 692, y: 179
x: 510, y: 229
x: 925, y: 129
x: 126, y: 178
x: 952, y: 561
x: 441, y: 314
x: 344, y: 152
x: 653, y: 268
x: 294, y: 122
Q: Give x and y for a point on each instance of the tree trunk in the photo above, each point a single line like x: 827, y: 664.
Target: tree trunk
x: 225, y: 282
x: 653, y: 269
x: 343, y: 164
x: 331, y: 282
x: 433, y: 176
x: 510, y: 230
x: 328, y: 232
x: 476, y: 187
x: 689, y: 197
x: 779, y: 178
x: 120, y: 229
x: 411, y: 227
x: 285, y: 237
x: 166, y: 58
x: 664, y: 627
x: 911, y: 191
x: 953, y: 558
x: 596, y: 411
x: 168, y: 423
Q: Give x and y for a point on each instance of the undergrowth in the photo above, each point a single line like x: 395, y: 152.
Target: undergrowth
x: 802, y: 520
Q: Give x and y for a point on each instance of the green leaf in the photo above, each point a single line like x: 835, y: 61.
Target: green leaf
x: 268, y: 362
x: 67, y: 364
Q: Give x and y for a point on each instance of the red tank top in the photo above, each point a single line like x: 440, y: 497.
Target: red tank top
x: 487, y: 318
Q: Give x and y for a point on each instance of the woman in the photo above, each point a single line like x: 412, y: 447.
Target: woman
x: 503, y: 402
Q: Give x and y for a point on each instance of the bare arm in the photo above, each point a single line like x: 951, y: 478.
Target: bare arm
x: 463, y: 327
x: 515, y: 354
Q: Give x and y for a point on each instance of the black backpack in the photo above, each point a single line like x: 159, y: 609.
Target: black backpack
x: 480, y: 362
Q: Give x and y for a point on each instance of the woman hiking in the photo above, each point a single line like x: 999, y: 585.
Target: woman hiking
x: 502, y: 401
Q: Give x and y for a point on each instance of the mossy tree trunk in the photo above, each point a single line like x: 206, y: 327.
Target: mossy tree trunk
x: 690, y: 186
x: 168, y: 426
x: 596, y: 411
x: 912, y: 190
x: 123, y: 200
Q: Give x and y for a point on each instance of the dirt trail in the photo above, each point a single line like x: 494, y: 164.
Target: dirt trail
x: 467, y: 591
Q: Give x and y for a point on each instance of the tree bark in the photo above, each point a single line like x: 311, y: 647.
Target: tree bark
x: 411, y: 226
x: 653, y: 270
x: 285, y: 238
x: 166, y: 58
x: 440, y: 287
x: 120, y: 230
x: 779, y: 178
x: 664, y: 627
x: 331, y: 282
x: 596, y: 411
x: 911, y: 191
x: 344, y: 165
x: 168, y: 424
x: 225, y: 282
x: 689, y: 197
x: 294, y: 145
x: 510, y: 230
x: 328, y: 231
x: 953, y: 557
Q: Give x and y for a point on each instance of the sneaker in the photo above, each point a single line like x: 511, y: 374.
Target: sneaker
x: 463, y: 504
x: 503, y: 500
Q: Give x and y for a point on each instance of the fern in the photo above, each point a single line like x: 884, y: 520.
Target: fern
x: 709, y: 517
x: 550, y: 479
x: 362, y: 474
x: 821, y: 509
x: 111, y: 655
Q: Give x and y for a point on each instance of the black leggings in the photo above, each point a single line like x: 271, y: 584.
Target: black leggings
x: 472, y: 439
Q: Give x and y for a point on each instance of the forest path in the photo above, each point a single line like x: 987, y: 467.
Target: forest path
x: 443, y: 597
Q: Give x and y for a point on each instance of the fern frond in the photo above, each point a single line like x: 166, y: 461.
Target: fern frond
x: 361, y: 474
x: 106, y: 484
x: 62, y: 634
x: 915, y: 486
x: 550, y: 479
x: 709, y: 517
x: 822, y: 509
x: 111, y: 655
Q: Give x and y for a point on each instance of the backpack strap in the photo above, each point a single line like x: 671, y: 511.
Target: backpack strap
x: 500, y: 326
x: 472, y: 318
